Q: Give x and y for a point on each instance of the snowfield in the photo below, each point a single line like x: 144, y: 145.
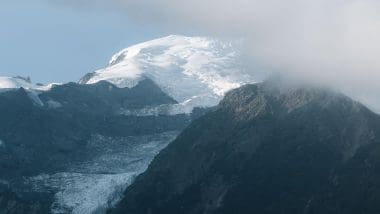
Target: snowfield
x: 195, y: 71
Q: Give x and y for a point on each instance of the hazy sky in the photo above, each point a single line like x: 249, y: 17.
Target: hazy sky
x: 54, y: 43
x: 332, y: 42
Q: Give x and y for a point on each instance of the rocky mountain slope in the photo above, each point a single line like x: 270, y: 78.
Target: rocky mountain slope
x: 267, y: 148
x: 55, y: 141
x: 73, y: 148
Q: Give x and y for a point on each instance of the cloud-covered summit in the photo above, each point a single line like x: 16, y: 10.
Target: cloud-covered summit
x: 334, y: 42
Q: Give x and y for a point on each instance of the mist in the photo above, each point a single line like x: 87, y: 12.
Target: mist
x: 330, y: 42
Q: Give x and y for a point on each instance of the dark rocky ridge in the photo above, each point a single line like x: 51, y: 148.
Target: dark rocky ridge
x: 267, y: 149
x: 48, y: 138
x: 27, y: 129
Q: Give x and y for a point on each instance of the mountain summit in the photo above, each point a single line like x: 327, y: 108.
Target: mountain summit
x: 195, y: 71
x: 267, y: 149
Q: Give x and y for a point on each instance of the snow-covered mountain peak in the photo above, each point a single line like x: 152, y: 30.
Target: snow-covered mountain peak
x: 196, y: 71
x: 21, y: 82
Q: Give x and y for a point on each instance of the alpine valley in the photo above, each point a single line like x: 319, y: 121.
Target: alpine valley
x: 75, y: 147
x: 177, y: 125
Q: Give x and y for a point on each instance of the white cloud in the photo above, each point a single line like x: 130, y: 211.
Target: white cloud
x: 336, y: 42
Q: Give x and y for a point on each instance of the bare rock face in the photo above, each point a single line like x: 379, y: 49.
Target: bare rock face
x: 267, y: 148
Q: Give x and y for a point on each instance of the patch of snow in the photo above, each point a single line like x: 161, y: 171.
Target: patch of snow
x: 33, y: 91
x: 15, y: 82
x: 20, y: 82
x: 165, y: 109
x: 53, y: 104
x: 195, y: 71
x: 11, y: 83
x: 4, y: 182
x: 33, y: 95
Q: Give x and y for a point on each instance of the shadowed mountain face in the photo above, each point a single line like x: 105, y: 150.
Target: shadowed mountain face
x: 54, y: 143
x: 267, y: 149
x: 43, y: 137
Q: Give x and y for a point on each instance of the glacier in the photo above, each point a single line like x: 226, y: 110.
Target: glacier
x: 195, y: 71
x: 95, y: 186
